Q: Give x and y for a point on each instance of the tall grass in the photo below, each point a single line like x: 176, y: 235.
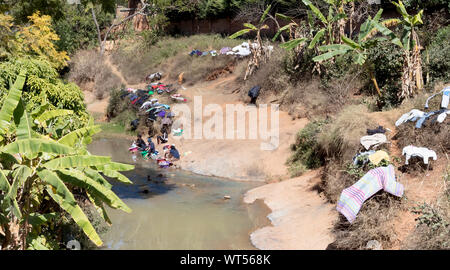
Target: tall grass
x: 135, y: 61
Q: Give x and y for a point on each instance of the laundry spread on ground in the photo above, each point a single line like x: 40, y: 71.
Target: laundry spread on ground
x: 378, y: 156
x: 352, y: 198
x: 373, y: 140
x: 413, y: 151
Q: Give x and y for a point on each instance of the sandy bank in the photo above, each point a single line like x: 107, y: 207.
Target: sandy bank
x: 300, y: 218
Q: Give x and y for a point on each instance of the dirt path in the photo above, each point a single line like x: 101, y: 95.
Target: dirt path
x: 241, y: 159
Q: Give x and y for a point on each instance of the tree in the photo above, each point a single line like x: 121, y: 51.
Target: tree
x: 36, y: 39
x: 258, y: 53
x: 90, y: 5
x: 412, y: 78
x: 39, y: 175
x: 359, y: 48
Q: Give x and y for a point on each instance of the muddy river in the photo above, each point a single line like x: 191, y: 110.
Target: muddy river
x: 177, y: 209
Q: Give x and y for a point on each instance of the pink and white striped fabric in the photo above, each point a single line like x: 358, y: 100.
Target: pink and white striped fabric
x: 373, y: 181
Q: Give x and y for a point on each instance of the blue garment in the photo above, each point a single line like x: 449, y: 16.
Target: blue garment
x: 174, y: 153
x: 427, y: 115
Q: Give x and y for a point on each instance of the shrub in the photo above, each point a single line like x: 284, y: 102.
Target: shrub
x: 43, y: 84
x: 88, y: 66
x: 437, y: 55
x: 387, y: 60
x: 306, y: 149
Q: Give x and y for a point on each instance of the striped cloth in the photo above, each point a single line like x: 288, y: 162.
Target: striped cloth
x: 374, y: 180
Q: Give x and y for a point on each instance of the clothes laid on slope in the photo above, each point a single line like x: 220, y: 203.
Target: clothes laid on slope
x: 425, y: 153
x: 362, y: 158
x: 440, y: 114
x: 352, y: 198
x: 378, y: 156
x: 445, y: 98
x: 379, y: 129
x: 373, y: 140
x: 412, y: 115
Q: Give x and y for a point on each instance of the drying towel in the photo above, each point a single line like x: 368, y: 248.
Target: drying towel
x: 373, y: 140
x: 373, y: 181
x: 425, y: 153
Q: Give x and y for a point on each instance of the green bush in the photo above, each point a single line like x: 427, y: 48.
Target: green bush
x: 43, y: 84
x: 437, y: 57
x: 306, y: 148
x: 387, y: 61
x: 77, y: 29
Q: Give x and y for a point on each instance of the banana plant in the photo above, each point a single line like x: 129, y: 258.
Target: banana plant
x: 35, y: 169
x: 335, y: 14
x: 412, y: 78
x: 365, y: 40
x: 259, y: 52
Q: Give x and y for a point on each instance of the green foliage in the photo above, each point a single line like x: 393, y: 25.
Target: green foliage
x: 430, y: 217
x: 43, y: 85
x: 306, y: 148
x: 418, y: 4
x: 77, y: 29
x: 40, y: 168
x: 437, y: 55
x: 387, y: 61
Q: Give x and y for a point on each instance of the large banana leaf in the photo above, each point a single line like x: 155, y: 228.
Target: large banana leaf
x: 351, y: 43
x: 316, y: 38
x: 329, y: 55
x: 263, y: 17
x: 291, y: 44
x: 116, y: 166
x: 240, y: 33
x: 284, y: 28
x: 335, y: 47
x: 47, y: 115
x: 11, y: 101
x: 251, y: 26
x: 73, y: 137
x: 76, y: 161
x: 93, y: 174
x: 24, y: 123
x: 114, y: 174
x: 32, y: 147
x: 4, y: 183
x: 79, y: 179
x: 62, y: 195
x: 316, y: 11
x: 20, y: 175
x: 98, y: 204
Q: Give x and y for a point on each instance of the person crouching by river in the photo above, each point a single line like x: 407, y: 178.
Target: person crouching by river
x: 173, y: 154
x: 140, y: 143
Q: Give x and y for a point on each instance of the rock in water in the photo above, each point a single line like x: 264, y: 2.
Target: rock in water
x: 227, y: 197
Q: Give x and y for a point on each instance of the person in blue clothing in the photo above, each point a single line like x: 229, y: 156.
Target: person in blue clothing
x: 151, y: 145
x: 173, y: 154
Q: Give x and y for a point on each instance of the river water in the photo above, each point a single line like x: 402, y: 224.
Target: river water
x: 177, y: 209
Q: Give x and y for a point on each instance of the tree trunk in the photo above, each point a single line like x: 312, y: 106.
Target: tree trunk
x: 98, y: 31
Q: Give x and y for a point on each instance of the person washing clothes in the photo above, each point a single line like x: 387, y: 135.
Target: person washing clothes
x: 253, y: 94
x: 151, y: 145
x: 173, y: 153
x: 140, y: 143
x: 164, y: 138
